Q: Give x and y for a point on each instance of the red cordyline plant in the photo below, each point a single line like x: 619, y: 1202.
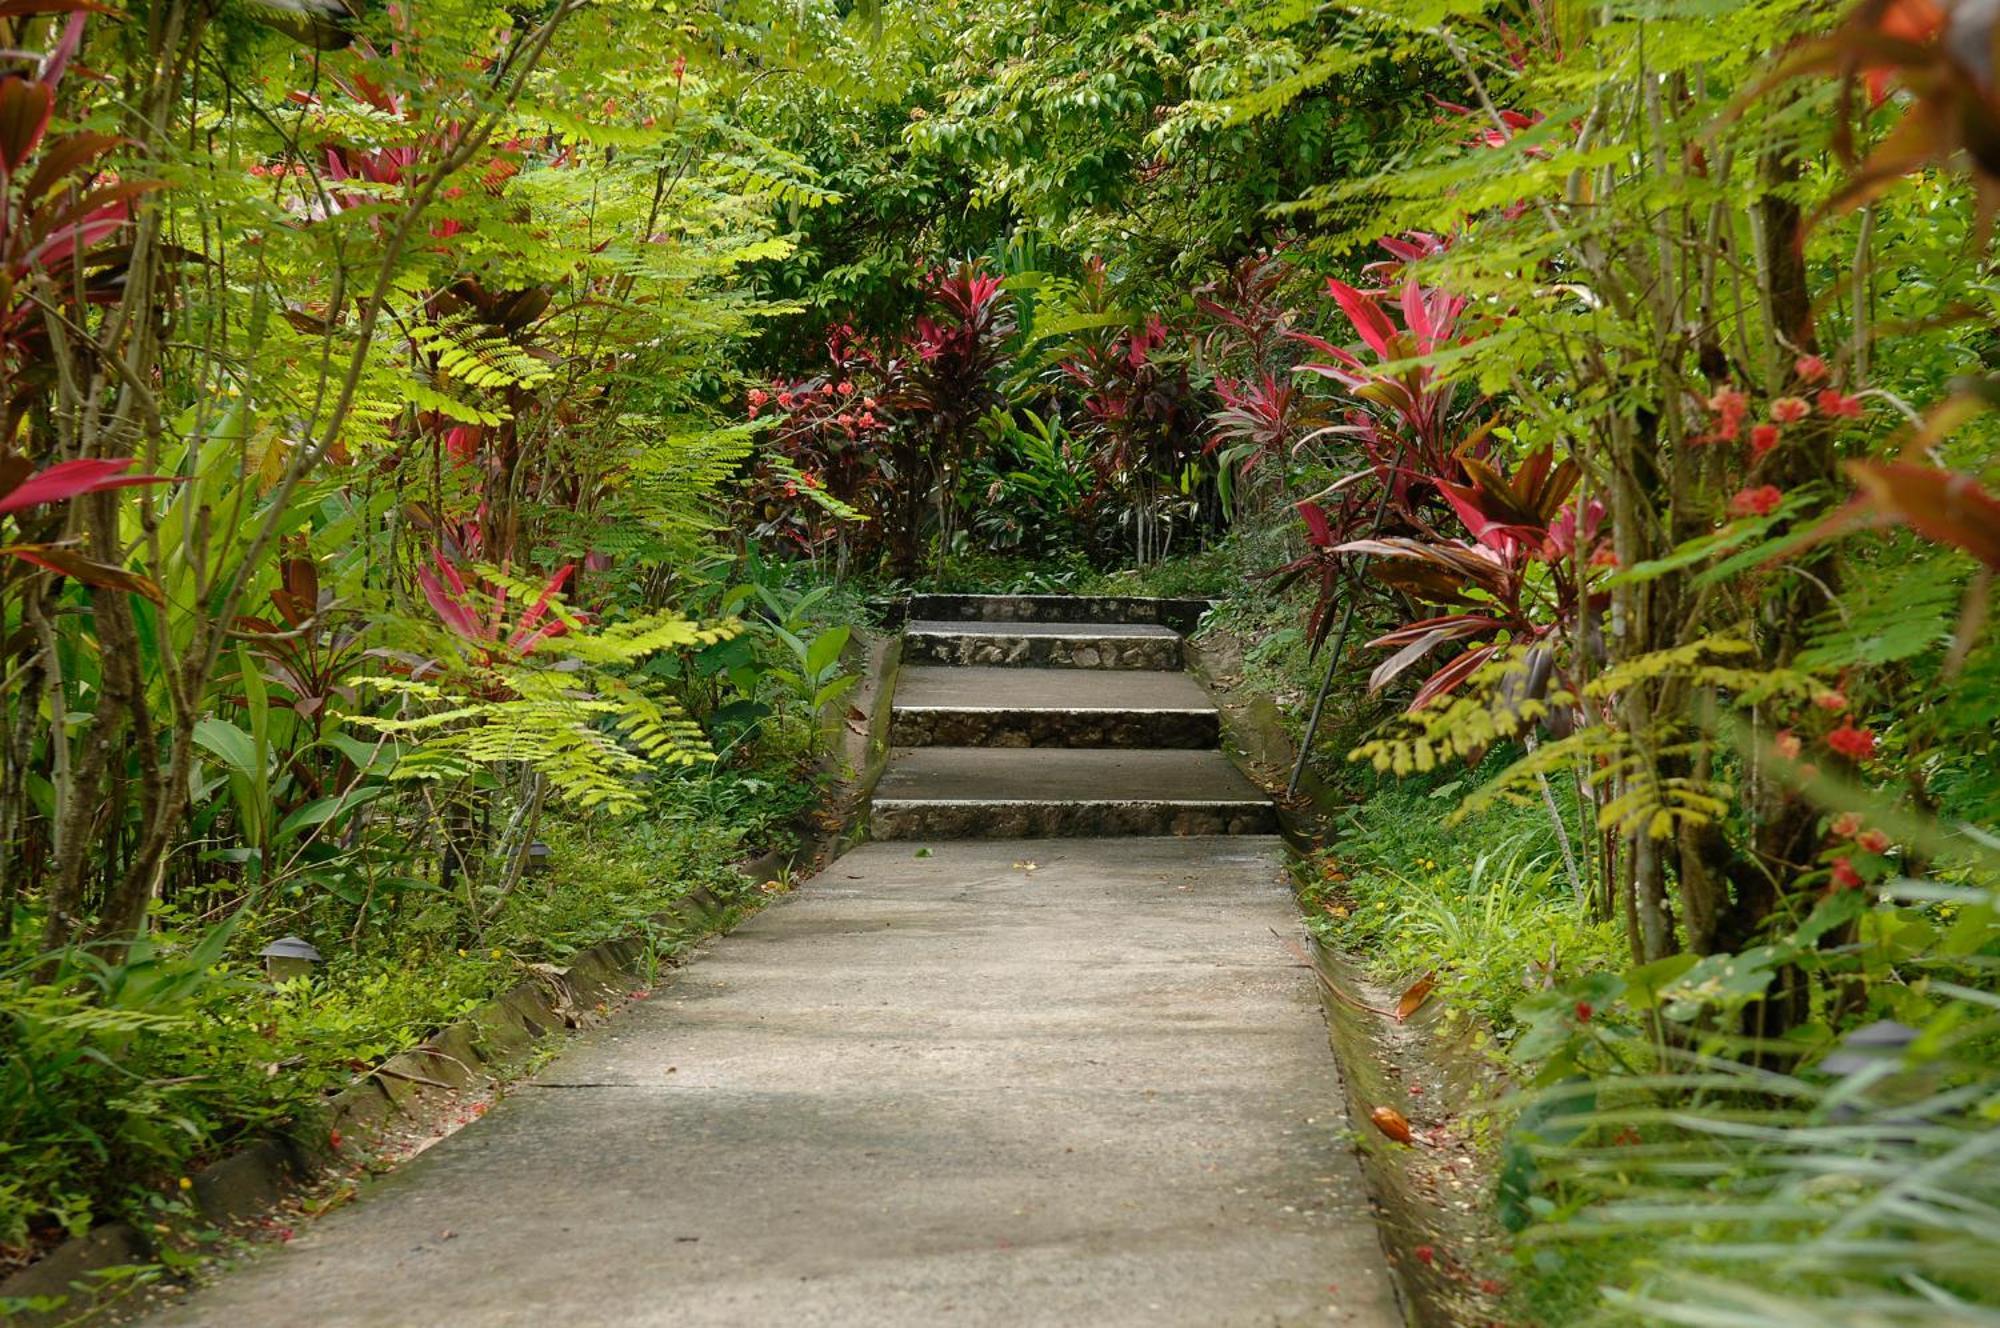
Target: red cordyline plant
x: 943, y: 379
x: 1403, y: 418
x: 1145, y: 413
x: 58, y: 214
x: 1516, y: 522
x: 1260, y: 418
x: 60, y: 210
x: 23, y: 489
x: 473, y: 607
x: 475, y: 611
x: 1251, y: 320
x: 1435, y: 473
x: 831, y: 433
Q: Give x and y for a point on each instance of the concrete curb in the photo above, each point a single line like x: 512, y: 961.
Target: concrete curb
x: 1374, y: 1070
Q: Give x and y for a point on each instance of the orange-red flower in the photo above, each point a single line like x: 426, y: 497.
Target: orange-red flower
x: 1729, y: 407
x: 1852, y: 742
x: 1760, y: 501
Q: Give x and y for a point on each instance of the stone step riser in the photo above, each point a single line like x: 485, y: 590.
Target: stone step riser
x: 1058, y: 652
x: 1180, y: 614
x: 919, y: 819
x: 946, y: 727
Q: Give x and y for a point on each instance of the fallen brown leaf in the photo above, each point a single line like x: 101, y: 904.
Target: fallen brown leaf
x: 1392, y: 1123
x: 1413, y: 999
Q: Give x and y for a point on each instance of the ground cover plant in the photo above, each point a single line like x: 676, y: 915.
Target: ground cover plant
x: 438, y: 434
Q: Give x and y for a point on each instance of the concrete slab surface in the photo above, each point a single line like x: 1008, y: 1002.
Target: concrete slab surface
x: 1026, y: 1083
x: 999, y: 688
x: 1060, y: 774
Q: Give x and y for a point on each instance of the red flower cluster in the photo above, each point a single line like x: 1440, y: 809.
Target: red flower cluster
x: 1760, y: 501
x: 1849, y: 741
x: 1731, y: 407
x: 1848, y: 825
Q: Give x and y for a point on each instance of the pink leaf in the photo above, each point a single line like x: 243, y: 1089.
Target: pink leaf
x: 450, y: 612
x: 1452, y: 674
x: 1369, y: 321
x: 1319, y: 531
x: 1462, y: 624
x: 526, y: 637
x: 68, y: 479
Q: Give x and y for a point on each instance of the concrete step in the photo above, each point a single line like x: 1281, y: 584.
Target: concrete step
x: 1179, y: 614
x: 1042, y: 645
x: 1025, y: 792
x: 1028, y: 707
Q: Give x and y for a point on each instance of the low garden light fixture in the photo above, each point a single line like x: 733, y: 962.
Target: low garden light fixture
x: 538, y: 858
x: 289, y: 957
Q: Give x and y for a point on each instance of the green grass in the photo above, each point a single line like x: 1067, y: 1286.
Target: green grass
x: 1488, y: 907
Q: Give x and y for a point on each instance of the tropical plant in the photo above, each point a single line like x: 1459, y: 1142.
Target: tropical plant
x: 943, y: 382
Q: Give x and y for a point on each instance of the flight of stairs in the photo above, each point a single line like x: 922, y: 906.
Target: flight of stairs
x: 1023, y: 716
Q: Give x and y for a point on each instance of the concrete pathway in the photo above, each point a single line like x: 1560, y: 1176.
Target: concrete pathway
x: 1070, y: 1081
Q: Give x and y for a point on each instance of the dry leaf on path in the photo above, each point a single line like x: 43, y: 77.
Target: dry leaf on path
x: 1413, y: 999
x: 1392, y: 1123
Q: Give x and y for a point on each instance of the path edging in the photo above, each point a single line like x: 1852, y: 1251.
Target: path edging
x: 495, y: 1036
x: 1428, y: 1287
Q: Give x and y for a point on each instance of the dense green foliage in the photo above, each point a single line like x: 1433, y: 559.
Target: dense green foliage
x: 442, y: 430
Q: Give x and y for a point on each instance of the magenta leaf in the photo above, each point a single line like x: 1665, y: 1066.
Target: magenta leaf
x: 67, y: 479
